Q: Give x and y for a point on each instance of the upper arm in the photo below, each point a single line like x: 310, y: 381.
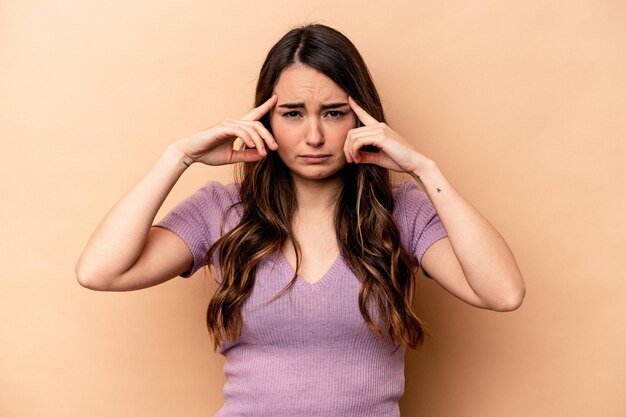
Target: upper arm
x: 441, y: 263
x: 164, y: 256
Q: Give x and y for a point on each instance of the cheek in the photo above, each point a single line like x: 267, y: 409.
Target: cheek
x: 282, y: 132
x: 285, y: 133
x: 278, y: 127
x: 340, y: 130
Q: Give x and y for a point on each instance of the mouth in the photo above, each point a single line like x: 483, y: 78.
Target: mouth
x: 317, y: 157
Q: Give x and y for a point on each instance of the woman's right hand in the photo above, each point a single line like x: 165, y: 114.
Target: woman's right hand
x: 214, y: 146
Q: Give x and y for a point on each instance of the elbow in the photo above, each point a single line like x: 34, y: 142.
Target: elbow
x: 89, y: 280
x: 512, y: 302
x: 84, y: 280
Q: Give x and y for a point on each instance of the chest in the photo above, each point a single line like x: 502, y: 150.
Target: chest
x: 324, y: 314
x: 318, y: 245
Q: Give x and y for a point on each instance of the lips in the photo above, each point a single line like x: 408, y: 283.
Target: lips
x: 315, y: 157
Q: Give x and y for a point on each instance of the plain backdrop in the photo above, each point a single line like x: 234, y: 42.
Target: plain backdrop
x: 520, y: 103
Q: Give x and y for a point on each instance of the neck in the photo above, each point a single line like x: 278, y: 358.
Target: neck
x: 317, y: 196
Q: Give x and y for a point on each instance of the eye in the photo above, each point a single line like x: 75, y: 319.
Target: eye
x: 335, y: 114
x: 291, y: 114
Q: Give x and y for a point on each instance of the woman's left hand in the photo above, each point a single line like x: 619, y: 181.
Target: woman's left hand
x: 394, y: 153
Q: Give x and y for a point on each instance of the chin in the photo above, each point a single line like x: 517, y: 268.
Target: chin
x: 319, y: 174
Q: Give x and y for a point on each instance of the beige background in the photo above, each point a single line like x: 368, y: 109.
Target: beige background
x: 521, y: 103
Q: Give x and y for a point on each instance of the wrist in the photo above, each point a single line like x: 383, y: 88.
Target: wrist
x: 425, y: 167
x: 431, y: 178
x: 174, y: 153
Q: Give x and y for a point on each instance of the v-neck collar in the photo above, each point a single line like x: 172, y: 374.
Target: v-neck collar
x: 301, y: 282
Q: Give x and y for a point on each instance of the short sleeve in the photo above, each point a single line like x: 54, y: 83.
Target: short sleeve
x: 417, y: 219
x: 197, y: 220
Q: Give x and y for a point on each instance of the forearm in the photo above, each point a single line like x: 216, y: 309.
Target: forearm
x: 120, y: 237
x: 487, y: 261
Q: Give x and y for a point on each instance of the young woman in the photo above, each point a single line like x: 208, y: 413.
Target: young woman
x: 315, y: 249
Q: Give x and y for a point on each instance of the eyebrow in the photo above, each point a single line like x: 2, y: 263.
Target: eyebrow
x: 301, y: 105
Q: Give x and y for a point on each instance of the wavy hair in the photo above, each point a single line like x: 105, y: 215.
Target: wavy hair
x: 369, y: 241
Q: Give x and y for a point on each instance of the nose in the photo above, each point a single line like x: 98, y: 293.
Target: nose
x: 315, y: 136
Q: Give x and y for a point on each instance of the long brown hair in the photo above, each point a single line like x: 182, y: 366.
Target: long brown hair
x: 369, y: 241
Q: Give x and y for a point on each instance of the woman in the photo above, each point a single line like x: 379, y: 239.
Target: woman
x: 315, y: 215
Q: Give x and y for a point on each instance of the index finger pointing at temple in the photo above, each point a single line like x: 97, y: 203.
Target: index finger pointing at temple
x: 258, y: 112
x: 363, y: 116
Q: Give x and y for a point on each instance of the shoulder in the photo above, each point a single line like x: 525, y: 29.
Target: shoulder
x: 416, y: 218
x: 214, y: 194
x: 406, y: 188
x: 215, y: 190
x: 211, y: 201
x: 408, y: 197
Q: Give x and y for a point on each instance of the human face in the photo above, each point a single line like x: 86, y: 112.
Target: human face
x: 310, y: 122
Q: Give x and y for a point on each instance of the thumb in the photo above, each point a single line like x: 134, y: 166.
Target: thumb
x: 369, y: 157
x: 246, y: 155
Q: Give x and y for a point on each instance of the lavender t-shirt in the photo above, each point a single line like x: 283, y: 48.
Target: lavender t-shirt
x: 308, y: 353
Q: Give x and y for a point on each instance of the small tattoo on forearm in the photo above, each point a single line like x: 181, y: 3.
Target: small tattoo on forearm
x: 438, y: 190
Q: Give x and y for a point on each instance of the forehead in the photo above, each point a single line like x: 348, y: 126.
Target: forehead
x: 300, y: 82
